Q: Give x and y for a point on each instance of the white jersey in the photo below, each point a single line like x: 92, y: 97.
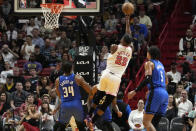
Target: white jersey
x: 118, y: 62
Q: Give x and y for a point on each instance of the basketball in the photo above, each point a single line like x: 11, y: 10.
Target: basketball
x: 128, y: 8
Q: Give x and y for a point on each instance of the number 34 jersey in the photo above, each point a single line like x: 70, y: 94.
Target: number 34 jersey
x: 117, y: 62
x: 69, y: 89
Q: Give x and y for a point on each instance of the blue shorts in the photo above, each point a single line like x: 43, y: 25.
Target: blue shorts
x: 69, y: 109
x: 157, y: 101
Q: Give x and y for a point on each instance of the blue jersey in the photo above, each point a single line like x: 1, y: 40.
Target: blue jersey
x: 158, y: 74
x: 68, y: 88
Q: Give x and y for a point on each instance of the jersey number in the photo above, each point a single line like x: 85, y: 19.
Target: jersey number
x: 68, y: 90
x: 161, y: 76
x: 121, y: 60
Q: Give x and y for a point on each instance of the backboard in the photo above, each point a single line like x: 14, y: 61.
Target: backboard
x: 81, y: 7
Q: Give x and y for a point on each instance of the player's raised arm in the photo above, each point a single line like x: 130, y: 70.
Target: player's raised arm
x: 149, y: 66
x: 128, y: 29
x: 57, y: 88
x: 81, y: 82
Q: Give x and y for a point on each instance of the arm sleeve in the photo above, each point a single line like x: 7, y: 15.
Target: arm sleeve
x: 147, y: 79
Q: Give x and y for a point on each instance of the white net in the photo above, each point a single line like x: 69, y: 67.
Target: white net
x: 51, y: 14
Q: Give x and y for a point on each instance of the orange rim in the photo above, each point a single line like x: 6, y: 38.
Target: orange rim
x: 55, y: 8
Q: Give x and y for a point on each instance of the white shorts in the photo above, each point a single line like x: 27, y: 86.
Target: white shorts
x: 109, y: 83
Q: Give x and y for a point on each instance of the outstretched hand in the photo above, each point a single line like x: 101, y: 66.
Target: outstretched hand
x: 131, y: 94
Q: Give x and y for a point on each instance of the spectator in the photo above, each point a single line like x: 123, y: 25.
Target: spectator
x: 172, y: 110
x: 32, y: 64
x: 46, y: 99
x: 45, y: 50
x: 176, y: 76
x: 121, y: 120
x: 53, y: 96
x: 4, y: 103
x: 105, y: 52
x: 37, y: 40
x: 143, y: 28
x: 52, y: 59
x: 10, y: 85
x: 177, y: 94
x: 20, y: 39
x: 101, y: 64
x: 66, y: 57
x: 9, y: 55
x: 47, y: 120
x: 29, y: 101
x: 5, y: 73
x: 1, y: 63
x: 11, y: 33
x: 110, y: 24
x: 136, y: 117
x: 27, y: 48
x: 184, y: 105
x: 171, y: 86
x: 27, y: 86
x: 186, y: 71
x: 4, y: 40
x: 188, y: 39
x: 144, y: 19
x: 53, y: 38
x: 64, y: 42
x: 18, y: 97
x: 30, y: 122
x: 9, y: 122
x: 3, y: 26
x: 2, y: 90
x: 72, y: 51
x: 15, y: 48
x: 57, y: 72
x: 28, y: 28
x: 17, y: 75
x: 34, y: 78
x: 139, y: 39
x: 6, y: 8
x: 40, y: 57
x: 43, y: 86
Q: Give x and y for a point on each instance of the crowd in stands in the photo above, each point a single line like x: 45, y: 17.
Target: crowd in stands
x: 182, y: 79
x: 31, y: 56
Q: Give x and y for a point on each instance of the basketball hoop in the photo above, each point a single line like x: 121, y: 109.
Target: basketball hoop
x: 51, y: 12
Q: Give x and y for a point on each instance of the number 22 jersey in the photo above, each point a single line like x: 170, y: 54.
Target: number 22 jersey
x: 118, y: 62
x: 69, y: 89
